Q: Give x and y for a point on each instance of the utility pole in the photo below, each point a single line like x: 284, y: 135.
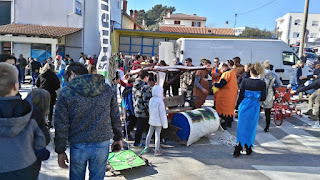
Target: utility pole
x: 304, y: 25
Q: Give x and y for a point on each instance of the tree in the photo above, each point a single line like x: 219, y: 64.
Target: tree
x: 153, y: 16
x: 252, y: 32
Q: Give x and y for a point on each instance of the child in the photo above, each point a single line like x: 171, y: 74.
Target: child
x: 40, y: 100
x: 23, y: 136
x: 128, y: 110
x: 157, y: 118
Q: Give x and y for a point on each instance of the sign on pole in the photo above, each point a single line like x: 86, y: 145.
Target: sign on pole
x: 104, y: 30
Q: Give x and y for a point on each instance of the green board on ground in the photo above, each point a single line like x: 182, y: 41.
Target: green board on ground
x: 125, y: 159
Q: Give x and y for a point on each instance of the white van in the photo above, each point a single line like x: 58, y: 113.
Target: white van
x: 279, y: 54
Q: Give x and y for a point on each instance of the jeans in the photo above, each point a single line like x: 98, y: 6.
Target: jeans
x: 34, y: 76
x: 94, y: 154
x: 23, y: 75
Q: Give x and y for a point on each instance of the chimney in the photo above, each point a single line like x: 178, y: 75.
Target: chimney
x: 227, y: 24
x: 125, y: 5
x: 168, y: 13
x: 131, y: 13
x: 135, y: 15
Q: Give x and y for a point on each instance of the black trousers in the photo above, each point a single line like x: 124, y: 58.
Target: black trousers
x: 142, y: 126
x: 268, y: 114
x: 53, y: 99
x: 131, y: 121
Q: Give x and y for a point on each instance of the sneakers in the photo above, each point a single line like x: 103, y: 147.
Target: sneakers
x: 308, y: 113
x: 266, y: 129
x: 139, y: 145
x: 157, y: 153
x: 316, y: 126
x: 313, y: 117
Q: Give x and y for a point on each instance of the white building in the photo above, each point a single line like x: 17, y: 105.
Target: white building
x: 73, y: 26
x: 239, y: 30
x: 289, y: 28
x: 180, y: 19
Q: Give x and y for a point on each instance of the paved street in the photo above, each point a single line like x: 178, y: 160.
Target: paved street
x: 287, y: 152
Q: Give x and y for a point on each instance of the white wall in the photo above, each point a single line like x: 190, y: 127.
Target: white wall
x: 73, y: 45
x: 288, y: 27
x: 91, y: 41
x: 47, y: 12
x: 22, y: 48
x: 187, y: 23
x: 116, y: 13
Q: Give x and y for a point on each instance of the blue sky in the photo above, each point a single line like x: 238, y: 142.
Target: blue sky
x: 220, y: 11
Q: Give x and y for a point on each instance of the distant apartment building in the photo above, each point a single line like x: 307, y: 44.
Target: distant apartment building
x: 180, y: 19
x: 289, y: 28
x: 40, y: 29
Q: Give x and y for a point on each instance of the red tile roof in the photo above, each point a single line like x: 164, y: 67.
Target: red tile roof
x: 197, y: 30
x: 37, y: 30
x: 181, y: 16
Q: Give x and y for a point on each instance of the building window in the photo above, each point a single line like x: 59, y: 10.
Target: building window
x: 296, y: 34
x: 196, y: 24
x: 313, y: 35
x: 176, y: 22
x: 315, y: 23
x: 297, y: 22
x: 5, y: 12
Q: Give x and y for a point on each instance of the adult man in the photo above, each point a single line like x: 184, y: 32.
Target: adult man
x: 201, y: 88
x: 8, y: 59
x: 69, y: 59
x: 314, y: 99
x: 58, y: 64
x: 95, y: 59
x: 87, y: 116
x: 216, y: 74
x: 35, y: 69
x: 136, y: 64
x: 300, y: 72
x: 23, y: 65
x: 187, y: 82
x: 304, y: 58
x: 237, y: 67
x: 141, y: 95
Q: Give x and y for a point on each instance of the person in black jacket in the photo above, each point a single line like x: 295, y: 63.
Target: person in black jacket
x: 49, y: 81
x: 35, y: 69
x: 314, y: 85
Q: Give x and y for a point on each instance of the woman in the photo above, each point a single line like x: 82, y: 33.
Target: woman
x: 225, y: 98
x: 252, y: 91
x: 272, y: 82
x: 49, y: 81
x: 201, y: 85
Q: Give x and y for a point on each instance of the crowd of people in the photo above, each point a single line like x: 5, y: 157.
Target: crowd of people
x: 87, y: 116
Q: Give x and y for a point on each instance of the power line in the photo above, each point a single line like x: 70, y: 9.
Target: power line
x: 237, y: 14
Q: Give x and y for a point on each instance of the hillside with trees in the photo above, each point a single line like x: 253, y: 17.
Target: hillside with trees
x: 153, y: 16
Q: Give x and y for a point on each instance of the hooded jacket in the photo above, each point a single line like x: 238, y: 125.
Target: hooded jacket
x: 48, y: 81
x: 86, y: 111
x: 157, y: 109
x: 20, y: 135
x: 141, y: 96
